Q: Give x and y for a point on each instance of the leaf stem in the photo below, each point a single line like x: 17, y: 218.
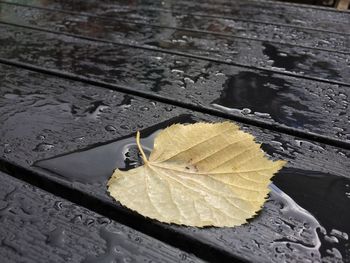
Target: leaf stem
x: 144, y: 158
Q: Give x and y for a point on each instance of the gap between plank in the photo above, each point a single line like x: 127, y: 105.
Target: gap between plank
x: 211, y: 111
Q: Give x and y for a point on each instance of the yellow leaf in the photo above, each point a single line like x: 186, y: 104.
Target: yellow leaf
x: 202, y: 174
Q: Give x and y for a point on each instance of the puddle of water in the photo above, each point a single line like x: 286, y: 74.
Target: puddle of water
x: 97, y: 163
x: 244, y: 90
x: 324, y: 197
x: 302, y: 225
x: 299, y: 62
x: 283, y: 60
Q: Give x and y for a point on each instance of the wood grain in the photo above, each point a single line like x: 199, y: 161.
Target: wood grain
x: 313, y: 108
x: 46, y: 117
x: 266, y: 12
x: 36, y: 226
x: 294, y: 60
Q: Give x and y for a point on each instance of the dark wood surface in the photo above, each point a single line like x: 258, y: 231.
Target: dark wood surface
x: 257, y: 12
x: 47, y: 117
x: 79, y: 78
x: 290, y: 104
x: 37, y: 226
x: 293, y: 60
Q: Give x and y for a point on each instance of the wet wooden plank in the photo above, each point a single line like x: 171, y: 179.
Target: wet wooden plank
x: 319, y: 64
x: 274, y: 12
x: 36, y: 226
x: 302, y: 106
x: 223, y: 26
x: 47, y: 121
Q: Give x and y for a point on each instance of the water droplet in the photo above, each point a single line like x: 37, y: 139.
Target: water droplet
x: 95, y: 110
x: 40, y: 137
x: 331, y: 239
x: 246, y: 111
x: 177, y: 71
x: 262, y: 115
x: 183, y: 256
x: 77, y: 219
x: 7, y: 148
x: 138, y: 239
x: 225, y: 109
x: 282, y: 54
x: 219, y: 74
x: 339, y: 234
x: 188, y: 80
x: 58, y: 205
x: 124, y: 127
x: 89, y: 221
x: 144, y: 108
x: 110, y: 128
x: 41, y: 147
x: 168, y: 108
x: 79, y: 139
x: 104, y: 220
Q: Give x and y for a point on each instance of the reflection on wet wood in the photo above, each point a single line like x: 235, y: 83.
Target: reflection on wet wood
x: 80, y: 121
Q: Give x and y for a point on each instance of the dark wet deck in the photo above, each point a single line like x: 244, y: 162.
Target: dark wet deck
x: 79, y: 78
